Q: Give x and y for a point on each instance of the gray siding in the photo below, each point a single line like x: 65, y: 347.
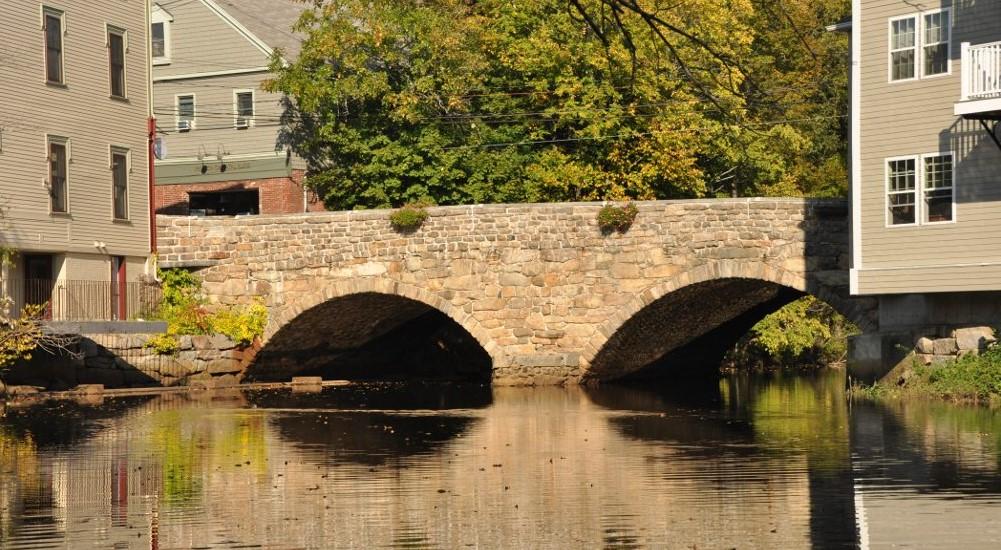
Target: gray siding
x: 916, y: 117
x: 83, y: 112
x: 215, y: 120
x: 201, y: 41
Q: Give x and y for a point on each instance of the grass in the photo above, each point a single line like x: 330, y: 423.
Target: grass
x: 971, y: 378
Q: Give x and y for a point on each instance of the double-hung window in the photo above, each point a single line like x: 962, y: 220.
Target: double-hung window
x: 52, y: 27
x: 920, y: 189
x: 938, y: 185
x: 903, y: 48
x: 920, y: 45
x: 116, y: 61
x: 58, y: 184
x: 159, y: 35
x: 120, y: 182
x: 244, y: 104
x: 901, y: 189
x: 185, y: 112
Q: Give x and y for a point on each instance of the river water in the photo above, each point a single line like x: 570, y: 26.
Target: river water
x: 769, y: 461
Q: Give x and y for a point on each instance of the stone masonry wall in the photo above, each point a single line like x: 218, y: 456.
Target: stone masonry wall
x: 540, y: 287
x: 123, y: 360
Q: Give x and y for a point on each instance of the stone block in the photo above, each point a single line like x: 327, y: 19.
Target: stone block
x: 945, y: 346
x: 974, y: 338
x: 224, y: 366
x: 225, y: 381
x: 925, y: 346
x: 307, y: 381
x: 221, y: 343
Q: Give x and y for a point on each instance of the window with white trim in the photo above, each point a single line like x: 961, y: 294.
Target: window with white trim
x: 920, y: 45
x: 903, y: 48
x: 159, y: 35
x: 244, y: 106
x: 185, y: 112
x: 901, y: 189
x: 938, y: 188
x: 935, y: 43
x: 116, y: 61
x: 52, y: 27
x: 120, y: 182
x: 920, y: 189
x: 57, y: 149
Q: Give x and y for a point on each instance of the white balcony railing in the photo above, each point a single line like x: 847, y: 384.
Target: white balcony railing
x: 981, y: 71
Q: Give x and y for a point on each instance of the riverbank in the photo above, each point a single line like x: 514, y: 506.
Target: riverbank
x: 967, y: 379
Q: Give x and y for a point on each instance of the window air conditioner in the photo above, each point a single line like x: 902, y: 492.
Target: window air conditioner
x: 183, y: 125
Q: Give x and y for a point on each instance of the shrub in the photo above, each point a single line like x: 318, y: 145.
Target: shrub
x: 163, y: 344
x: 241, y: 325
x: 617, y: 218
x: 408, y: 218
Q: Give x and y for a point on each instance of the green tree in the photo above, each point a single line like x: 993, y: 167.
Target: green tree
x: 497, y: 101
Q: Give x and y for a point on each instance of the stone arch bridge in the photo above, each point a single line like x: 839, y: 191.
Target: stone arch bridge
x: 540, y: 293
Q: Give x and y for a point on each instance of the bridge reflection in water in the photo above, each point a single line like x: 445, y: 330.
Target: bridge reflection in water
x: 778, y: 462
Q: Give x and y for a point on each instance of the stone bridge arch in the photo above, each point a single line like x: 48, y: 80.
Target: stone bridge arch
x: 648, y: 327
x: 315, y: 324
x: 538, y: 286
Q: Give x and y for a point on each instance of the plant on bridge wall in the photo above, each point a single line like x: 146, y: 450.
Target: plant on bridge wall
x: 409, y: 218
x: 617, y: 218
x: 186, y: 313
x: 241, y: 325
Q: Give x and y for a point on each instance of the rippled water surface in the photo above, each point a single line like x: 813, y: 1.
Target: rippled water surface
x: 774, y: 461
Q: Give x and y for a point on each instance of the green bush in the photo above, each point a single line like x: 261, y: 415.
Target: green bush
x: 617, y: 218
x: 163, y: 344
x: 186, y: 313
x: 408, y: 218
x: 241, y: 325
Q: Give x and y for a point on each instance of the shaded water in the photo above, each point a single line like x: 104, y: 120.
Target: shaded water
x: 752, y: 462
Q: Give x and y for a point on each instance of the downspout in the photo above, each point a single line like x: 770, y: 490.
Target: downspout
x: 151, y: 137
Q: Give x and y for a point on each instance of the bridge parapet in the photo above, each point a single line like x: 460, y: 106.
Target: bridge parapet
x: 545, y: 293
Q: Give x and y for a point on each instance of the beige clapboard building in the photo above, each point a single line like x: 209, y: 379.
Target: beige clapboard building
x: 926, y: 171
x: 926, y: 161
x: 74, y: 170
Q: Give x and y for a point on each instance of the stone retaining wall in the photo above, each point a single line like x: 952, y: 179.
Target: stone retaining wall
x: 123, y: 361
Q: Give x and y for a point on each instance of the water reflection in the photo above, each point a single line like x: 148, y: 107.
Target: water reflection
x: 752, y: 461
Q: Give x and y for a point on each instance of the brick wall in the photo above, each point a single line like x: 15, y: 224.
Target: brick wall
x: 282, y: 195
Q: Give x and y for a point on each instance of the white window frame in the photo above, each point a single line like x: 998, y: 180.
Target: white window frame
x: 114, y: 29
x: 65, y: 142
x: 159, y: 15
x: 919, y: 189
x: 948, y: 43
x: 47, y: 11
x: 177, y: 110
x: 120, y: 150
x: 236, y: 107
x: 952, y: 187
x: 919, y: 45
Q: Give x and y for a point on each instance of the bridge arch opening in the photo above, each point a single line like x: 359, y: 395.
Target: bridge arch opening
x: 687, y: 328
x: 372, y: 336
